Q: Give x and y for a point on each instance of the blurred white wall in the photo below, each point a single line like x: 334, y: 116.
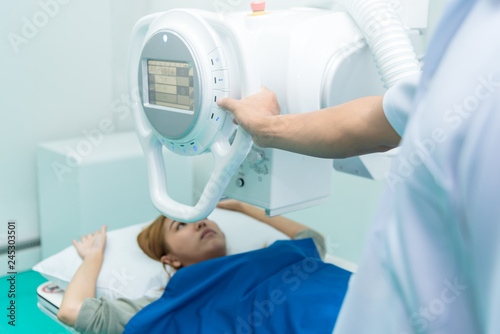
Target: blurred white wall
x: 56, y: 82
x: 63, y: 69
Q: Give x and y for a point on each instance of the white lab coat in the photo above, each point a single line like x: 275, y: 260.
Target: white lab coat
x: 432, y: 259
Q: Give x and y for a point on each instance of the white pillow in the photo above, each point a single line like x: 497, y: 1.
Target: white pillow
x: 243, y: 233
x: 128, y: 272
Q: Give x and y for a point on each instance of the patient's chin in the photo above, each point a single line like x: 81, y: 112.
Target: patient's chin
x: 216, y: 248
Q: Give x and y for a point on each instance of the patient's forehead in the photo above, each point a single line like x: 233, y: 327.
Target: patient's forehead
x: 166, y: 224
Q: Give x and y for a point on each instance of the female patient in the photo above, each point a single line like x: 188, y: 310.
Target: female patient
x: 212, y: 292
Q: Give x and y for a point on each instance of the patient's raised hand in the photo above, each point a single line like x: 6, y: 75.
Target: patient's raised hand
x: 231, y: 204
x: 91, y: 243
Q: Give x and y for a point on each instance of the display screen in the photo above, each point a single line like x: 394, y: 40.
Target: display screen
x: 171, y: 84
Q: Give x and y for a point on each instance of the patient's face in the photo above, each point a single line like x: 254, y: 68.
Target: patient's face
x: 191, y: 243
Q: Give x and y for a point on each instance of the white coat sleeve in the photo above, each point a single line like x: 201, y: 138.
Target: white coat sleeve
x: 398, y: 102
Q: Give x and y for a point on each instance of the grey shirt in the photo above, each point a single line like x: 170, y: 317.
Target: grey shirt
x: 103, y: 315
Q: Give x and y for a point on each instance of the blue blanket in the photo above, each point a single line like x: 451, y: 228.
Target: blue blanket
x: 284, y: 288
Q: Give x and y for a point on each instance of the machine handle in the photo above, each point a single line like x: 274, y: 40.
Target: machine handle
x: 227, y: 159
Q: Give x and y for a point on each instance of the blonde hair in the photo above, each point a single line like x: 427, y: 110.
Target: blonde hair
x: 152, y: 242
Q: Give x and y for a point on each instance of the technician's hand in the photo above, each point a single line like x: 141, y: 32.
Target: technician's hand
x: 91, y: 243
x: 255, y: 113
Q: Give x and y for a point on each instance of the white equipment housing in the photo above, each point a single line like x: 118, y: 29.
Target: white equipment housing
x: 311, y: 58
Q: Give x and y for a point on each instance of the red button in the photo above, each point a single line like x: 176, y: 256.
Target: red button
x: 258, y: 6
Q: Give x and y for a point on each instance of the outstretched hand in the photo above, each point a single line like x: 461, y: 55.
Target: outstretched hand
x: 254, y: 113
x: 91, y: 243
x: 231, y: 204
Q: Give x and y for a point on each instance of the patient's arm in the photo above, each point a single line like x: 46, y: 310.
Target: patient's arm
x: 282, y: 224
x: 104, y: 315
x: 82, y: 285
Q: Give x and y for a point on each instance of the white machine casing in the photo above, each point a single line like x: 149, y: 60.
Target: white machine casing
x: 311, y: 58
x: 300, y: 53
